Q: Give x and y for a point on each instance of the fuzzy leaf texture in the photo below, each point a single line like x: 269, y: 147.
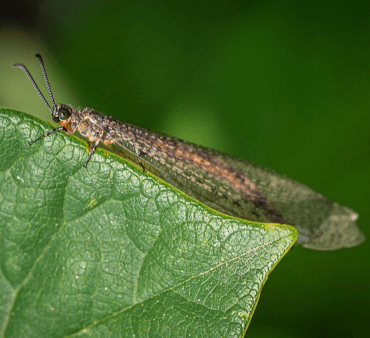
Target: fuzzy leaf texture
x: 110, y: 251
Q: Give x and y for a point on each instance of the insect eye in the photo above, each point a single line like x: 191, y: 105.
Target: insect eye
x: 64, y: 114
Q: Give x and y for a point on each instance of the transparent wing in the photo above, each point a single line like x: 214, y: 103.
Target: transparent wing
x: 322, y: 224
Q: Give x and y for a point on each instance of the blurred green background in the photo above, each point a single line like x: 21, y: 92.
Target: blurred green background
x: 284, y: 84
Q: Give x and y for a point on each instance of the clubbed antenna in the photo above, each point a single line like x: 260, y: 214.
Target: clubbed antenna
x: 46, y: 79
x: 21, y: 66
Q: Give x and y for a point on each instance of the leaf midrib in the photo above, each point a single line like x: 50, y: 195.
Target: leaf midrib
x: 96, y: 322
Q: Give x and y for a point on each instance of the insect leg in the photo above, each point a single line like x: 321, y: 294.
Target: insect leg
x: 92, y: 150
x: 47, y: 134
x: 137, y: 151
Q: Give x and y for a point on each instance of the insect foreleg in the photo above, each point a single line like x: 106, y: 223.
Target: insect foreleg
x: 47, y: 134
x: 92, y: 150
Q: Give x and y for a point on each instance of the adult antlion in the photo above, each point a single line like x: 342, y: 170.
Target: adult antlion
x: 228, y: 184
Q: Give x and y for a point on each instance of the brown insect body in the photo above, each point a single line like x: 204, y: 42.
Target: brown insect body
x: 166, y: 151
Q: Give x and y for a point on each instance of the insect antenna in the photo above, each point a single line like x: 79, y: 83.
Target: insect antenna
x: 52, y: 111
x: 46, y: 79
x: 24, y: 68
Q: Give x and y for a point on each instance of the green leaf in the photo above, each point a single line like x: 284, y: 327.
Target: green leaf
x: 112, y: 251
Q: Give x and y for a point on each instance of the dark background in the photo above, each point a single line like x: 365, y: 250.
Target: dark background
x: 284, y: 84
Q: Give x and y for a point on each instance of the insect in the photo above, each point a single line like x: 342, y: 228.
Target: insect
x: 230, y: 185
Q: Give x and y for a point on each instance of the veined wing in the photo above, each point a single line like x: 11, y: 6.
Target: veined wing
x: 267, y: 196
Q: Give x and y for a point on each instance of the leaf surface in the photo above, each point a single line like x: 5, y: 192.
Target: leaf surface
x: 110, y: 251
